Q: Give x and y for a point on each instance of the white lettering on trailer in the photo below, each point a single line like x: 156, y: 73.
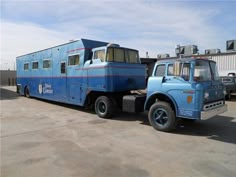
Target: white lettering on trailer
x: 47, y: 89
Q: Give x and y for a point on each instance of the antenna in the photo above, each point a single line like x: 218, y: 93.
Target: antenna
x: 147, y: 55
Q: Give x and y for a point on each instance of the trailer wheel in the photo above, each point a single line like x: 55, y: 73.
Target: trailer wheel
x: 104, y: 107
x: 27, y: 92
x: 162, y: 117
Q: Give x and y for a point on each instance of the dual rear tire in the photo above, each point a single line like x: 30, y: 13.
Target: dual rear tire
x: 104, y: 107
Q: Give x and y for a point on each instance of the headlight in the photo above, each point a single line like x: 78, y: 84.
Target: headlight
x: 206, y: 95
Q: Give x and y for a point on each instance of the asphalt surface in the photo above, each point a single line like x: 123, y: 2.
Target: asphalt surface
x: 47, y: 139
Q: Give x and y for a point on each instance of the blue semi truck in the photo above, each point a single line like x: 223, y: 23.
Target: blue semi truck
x: 104, y: 76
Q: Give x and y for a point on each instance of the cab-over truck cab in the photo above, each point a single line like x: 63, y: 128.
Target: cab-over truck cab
x: 185, y: 88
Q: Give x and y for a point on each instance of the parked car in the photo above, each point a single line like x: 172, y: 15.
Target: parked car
x: 230, y: 85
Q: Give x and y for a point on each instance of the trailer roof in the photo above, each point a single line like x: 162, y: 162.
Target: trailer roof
x: 83, y: 40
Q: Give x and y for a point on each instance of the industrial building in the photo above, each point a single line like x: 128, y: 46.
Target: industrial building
x: 8, y: 77
x: 226, y: 61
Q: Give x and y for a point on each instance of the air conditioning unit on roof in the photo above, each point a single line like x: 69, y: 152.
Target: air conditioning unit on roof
x: 212, y: 51
x: 230, y: 45
x: 163, y: 55
x: 187, y: 50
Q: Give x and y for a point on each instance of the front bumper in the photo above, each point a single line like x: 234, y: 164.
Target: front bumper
x: 213, y: 112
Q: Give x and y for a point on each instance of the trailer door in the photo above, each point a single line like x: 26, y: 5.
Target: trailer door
x: 63, y: 81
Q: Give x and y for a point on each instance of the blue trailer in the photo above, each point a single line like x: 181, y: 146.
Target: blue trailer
x: 102, y: 75
x: 82, y: 73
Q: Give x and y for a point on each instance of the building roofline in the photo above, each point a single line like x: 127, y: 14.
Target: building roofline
x: 200, y: 55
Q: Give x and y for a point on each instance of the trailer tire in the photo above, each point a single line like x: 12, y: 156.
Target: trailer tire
x: 27, y: 92
x: 162, y: 117
x: 104, y: 107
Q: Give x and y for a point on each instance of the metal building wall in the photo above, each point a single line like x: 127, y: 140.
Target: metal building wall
x: 226, y: 63
x: 7, y: 77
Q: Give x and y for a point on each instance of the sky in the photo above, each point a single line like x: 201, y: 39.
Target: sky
x: 151, y: 26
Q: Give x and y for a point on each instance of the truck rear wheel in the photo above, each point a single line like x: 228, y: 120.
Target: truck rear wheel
x: 162, y: 117
x: 104, y: 107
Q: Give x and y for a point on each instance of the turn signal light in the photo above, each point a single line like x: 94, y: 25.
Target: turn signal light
x: 189, y: 99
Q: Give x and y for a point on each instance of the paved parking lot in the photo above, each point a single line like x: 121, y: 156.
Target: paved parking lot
x: 46, y: 139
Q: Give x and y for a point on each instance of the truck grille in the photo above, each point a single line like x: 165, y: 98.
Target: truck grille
x: 213, y: 105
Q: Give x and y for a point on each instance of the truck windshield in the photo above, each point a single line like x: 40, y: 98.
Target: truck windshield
x: 122, y: 55
x: 205, y: 71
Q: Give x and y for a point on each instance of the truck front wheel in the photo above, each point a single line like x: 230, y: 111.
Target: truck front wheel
x: 104, y: 107
x: 162, y: 117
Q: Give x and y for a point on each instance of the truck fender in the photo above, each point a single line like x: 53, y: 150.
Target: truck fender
x: 161, y: 95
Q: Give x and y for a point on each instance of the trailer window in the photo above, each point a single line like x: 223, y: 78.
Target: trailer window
x: 99, y: 54
x: 73, y: 60
x: 122, y: 55
x: 133, y: 56
x: 26, y: 66
x: 46, y: 63
x: 119, y: 55
x: 160, y: 71
x: 35, y: 65
x: 109, y: 54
